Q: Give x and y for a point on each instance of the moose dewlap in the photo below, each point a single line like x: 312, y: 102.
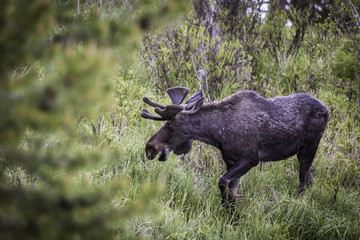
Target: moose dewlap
x: 245, y: 127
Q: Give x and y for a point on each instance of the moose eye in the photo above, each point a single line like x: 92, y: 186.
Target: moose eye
x: 168, y: 126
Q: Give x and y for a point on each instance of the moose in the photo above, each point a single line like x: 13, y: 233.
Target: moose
x: 245, y: 127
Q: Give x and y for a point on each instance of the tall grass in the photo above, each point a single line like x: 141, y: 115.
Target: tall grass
x: 188, y: 204
x: 179, y: 198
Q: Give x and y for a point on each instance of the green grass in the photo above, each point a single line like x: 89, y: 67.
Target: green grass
x: 188, y: 206
x: 179, y: 198
x: 187, y: 203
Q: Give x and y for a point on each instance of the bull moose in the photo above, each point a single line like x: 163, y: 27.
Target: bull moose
x: 245, y: 127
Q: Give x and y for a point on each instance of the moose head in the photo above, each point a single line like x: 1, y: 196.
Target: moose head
x: 173, y: 135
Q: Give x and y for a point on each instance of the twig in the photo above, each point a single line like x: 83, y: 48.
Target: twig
x: 109, y: 8
x: 192, y: 60
x: 200, y: 77
x: 15, y: 72
x: 355, y: 13
x: 327, y: 139
x: 206, y: 81
x: 351, y: 35
x: 22, y: 74
x: 27, y: 72
x: 347, y: 30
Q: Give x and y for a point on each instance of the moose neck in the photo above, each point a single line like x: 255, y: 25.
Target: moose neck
x: 204, y: 126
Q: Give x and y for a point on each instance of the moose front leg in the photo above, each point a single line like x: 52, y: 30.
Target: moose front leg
x: 229, y: 182
x: 233, y: 187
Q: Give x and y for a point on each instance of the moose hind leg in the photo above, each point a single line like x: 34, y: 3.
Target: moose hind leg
x: 306, y: 172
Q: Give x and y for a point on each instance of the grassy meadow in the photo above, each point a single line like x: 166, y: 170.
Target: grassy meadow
x: 72, y: 144
x: 188, y: 204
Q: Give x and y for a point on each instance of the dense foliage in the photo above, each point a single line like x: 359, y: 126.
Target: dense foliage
x: 73, y: 74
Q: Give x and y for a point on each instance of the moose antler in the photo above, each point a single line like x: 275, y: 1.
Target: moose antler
x: 196, y: 98
x: 177, y: 95
x: 153, y: 104
x: 146, y: 114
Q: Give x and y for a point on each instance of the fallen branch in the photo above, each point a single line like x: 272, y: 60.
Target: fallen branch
x: 327, y: 139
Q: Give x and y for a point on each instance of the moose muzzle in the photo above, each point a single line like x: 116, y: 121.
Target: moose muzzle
x: 152, y: 151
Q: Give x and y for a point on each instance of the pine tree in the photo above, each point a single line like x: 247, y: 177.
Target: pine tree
x: 56, y: 68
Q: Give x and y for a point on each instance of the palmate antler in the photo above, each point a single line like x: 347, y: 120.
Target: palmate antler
x: 177, y: 95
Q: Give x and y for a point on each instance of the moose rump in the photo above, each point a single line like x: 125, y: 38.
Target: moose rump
x: 245, y: 127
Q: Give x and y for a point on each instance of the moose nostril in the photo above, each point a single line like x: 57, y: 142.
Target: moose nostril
x: 150, y: 156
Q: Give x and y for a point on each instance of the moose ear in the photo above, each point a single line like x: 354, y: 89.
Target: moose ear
x: 177, y: 94
x: 198, y: 95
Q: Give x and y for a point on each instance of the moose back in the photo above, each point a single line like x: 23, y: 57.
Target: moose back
x: 245, y: 127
